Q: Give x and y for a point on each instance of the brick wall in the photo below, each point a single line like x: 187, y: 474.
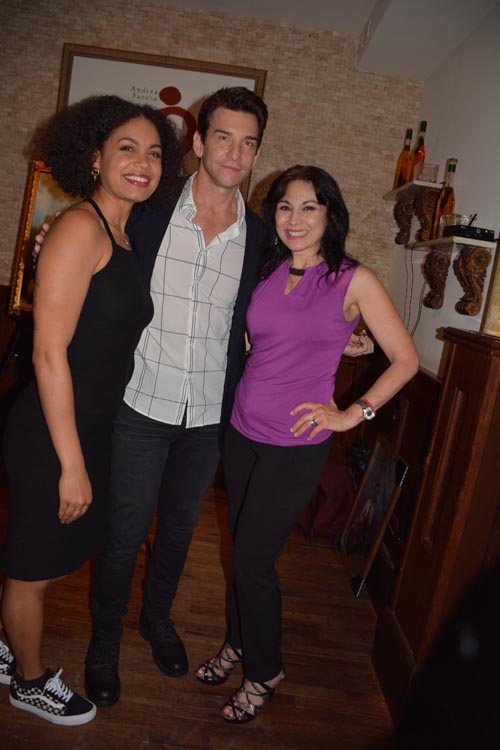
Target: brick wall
x: 322, y: 111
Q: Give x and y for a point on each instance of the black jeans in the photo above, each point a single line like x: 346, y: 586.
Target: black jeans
x: 152, y: 463
x: 268, y: 487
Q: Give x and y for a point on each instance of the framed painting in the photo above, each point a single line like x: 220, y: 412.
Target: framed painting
x: 175, y: 86
x: 42, y: 199
x: 373, y: 506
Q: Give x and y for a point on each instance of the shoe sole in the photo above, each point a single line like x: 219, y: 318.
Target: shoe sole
x: 101, y: 703
x: 144, y: 633
x: 211, y: 682
x: 67, y: 721
x: 5, y: 679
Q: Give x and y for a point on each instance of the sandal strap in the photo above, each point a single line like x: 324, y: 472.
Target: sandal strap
x: 214, y: 666
x: 246, y: 707
x: 223, y: 655
x: 259, y: 694
x: 242, y: 708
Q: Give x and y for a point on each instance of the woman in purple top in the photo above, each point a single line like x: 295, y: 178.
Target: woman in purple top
x: 299, y: 322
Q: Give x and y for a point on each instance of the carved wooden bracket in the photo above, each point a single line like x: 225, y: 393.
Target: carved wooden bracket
x: 403, y: 212
x: 470, y: 268
x: 435, y: 270
x: 424, y: 205
x: 414, y: 199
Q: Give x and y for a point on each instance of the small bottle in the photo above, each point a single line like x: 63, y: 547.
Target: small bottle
x: 418, y: 156
x: 445, y: 203
x: 403, y: 165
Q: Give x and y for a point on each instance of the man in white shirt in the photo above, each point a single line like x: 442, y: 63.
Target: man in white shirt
x: 203, y: 262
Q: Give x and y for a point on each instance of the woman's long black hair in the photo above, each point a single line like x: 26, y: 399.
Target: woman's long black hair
x: 328, y: 194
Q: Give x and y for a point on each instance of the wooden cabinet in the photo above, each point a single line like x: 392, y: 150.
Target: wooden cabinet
x: 455, y: 530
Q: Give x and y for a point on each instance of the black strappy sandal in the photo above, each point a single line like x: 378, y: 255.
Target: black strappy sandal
x: 245, y: 711
x: 223, y: 662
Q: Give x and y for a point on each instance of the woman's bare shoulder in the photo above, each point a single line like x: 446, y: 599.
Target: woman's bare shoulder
x: 77, y: 227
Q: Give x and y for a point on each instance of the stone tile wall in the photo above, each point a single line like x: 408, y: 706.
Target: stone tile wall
x: 322, y: 111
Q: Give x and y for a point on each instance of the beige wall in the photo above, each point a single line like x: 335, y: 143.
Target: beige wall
x: 322, y: 111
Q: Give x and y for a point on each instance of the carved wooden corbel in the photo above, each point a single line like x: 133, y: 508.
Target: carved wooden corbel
x: 403, y: 212
x: 435, y: 270
x: 470, y: 268
x: 424, y: 205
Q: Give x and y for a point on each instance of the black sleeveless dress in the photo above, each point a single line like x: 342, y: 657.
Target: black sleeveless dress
x: 116, y: 310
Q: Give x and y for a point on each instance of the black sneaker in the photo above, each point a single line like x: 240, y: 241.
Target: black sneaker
x: 7, y: 664
x: 49, y: 698
x: 102, y: 681
x: 167, y: 648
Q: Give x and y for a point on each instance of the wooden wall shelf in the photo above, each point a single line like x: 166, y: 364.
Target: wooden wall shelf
x: 470, y: 266
x: 449, y: 242
x: 410, y: 190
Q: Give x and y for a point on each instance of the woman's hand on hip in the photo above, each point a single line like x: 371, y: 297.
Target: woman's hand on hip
x: 317, y: 417
x: 75, y: 494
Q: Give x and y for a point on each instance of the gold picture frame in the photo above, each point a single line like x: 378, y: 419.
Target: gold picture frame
x: 42, y: 199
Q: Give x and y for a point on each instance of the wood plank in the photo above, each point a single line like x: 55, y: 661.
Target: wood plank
x: 331, y: 698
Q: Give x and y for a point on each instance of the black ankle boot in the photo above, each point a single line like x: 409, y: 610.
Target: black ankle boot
x: 167, y: 648
x: 102, y: 681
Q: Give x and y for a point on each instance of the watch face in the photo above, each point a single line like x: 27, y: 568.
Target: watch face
x: 368, y: 412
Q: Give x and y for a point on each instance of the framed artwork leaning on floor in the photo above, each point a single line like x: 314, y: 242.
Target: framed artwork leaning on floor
x: 371, y: 511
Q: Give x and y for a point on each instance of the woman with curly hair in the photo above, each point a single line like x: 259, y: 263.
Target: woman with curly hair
x: 90, y: 307
x: 299, y: 322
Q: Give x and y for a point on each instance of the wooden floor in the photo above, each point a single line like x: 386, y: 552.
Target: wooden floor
x: 330, y: 701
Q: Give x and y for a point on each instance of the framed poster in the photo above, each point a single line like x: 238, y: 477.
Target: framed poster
x: 175, y: 86
x: 42, y: 199
x: 372, y: 508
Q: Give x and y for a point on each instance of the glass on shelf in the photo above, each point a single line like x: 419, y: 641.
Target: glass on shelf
x: 426, y: 172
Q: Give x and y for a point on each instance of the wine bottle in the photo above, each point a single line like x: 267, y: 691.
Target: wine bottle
x: 418, y: 156
x: 403, y: 165
x: 445, y: 203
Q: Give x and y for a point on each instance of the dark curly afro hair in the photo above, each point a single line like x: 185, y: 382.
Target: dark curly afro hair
x: 68, y: 141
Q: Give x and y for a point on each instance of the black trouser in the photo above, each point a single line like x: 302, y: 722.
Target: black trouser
x: 149, y: 456
x: 268, y: 487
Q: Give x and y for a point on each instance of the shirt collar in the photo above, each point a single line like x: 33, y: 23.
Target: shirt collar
x: 187, y: 205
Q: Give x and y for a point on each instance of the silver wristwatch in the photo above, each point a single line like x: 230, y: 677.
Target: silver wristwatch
x: 367, y: 409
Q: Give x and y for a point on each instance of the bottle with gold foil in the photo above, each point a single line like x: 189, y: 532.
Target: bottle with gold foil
x: 418, y: 156
x: 446, y: 200
x: 403, y: 165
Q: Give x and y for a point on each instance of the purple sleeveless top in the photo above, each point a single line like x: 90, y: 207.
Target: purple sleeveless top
x: 297, y: 342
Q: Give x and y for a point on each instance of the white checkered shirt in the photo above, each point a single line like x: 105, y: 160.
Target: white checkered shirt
x: 180, y: 360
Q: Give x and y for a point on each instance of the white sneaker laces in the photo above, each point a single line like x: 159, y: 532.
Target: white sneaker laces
x: 57, y: 686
